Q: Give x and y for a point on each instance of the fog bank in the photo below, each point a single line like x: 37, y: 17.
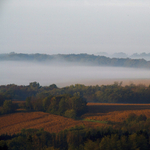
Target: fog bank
x: 22, y: 73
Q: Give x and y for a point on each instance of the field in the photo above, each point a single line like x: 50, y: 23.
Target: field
x: 13, y: 123
x: 115, y: 112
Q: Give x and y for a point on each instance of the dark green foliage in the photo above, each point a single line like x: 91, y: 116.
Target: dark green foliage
x: 114, y: 93
x: 46, y: 102
x: 2, y: 99
x: 3, y: 145
x: 134, y: 118
x: 141, y: 118
x: 131, y: 117
x: 70, y: 113
x: 62, y: 106
x: 65, y: 105
x: 8, y: 107
x: 77, y: 138
x: 52, y: 86
x: 28, y: 103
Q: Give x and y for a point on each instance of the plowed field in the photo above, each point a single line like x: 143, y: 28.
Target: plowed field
x: 13, y: 123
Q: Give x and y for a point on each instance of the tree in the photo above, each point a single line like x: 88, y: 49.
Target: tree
x: 62, y: 106
x: 71, y: 113
x: 79, y: 105
x: 1, y: 99
x: 3, y: 145
x: 28, y: 103
x: 52, y: 86
x: 7, y: 107
x: 90, y: 145
x: 46, y: 103
x: 34, y: 85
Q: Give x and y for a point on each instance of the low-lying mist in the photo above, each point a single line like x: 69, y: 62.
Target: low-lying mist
x: 22, y: 73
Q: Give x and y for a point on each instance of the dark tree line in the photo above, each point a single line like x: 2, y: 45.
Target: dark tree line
x: 115, y: 93
x: 64, y: 105
x: 6, y: 105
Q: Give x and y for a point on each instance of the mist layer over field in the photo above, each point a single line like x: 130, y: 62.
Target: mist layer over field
x: 22, y: 73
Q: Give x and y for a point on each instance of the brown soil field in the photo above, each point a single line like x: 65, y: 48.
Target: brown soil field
x: 115, y: 112
x: 13, y: 123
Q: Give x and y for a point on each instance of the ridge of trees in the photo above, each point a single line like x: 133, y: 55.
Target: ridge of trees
x: 82, y: 59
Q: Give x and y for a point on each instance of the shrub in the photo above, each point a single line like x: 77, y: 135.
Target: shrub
x: 70, y: 113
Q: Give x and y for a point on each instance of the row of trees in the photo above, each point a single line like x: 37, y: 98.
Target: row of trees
x: 7, y: 107
x: 64, y: 105
x: 115, y: 93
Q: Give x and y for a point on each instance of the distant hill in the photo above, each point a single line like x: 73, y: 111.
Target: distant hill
x: 80, y: 59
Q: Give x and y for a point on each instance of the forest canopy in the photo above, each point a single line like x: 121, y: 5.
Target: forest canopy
x: 115, y: 93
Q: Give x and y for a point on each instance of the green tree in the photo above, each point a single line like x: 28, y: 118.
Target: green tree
x: 3, y: 145
x: 28, y: 103
x: 71, y: 113
x: 46, y: 103
x: 38, y: 105
x: 79, y: 105
x: 7, y: 107
x: 1, y: 99
x: 105, y: 143
x: 90, y: 145
x: 62, y: 106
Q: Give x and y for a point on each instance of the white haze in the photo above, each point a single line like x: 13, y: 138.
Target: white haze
x: 74, y: 26
x: 22, y: 73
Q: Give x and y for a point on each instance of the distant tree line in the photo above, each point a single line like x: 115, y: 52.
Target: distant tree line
x: 115, y: 93
x: 84, y: 59
x: 71, y: 106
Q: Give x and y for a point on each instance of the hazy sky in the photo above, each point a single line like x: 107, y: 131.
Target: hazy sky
x: 74, y: 26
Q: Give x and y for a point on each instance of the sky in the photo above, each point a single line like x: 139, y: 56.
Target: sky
x: 74, y: 26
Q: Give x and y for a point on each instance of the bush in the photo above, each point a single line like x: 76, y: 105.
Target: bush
x: 8, y: 107
x: 141, y: 118
x: 70, y: 113
x: 131, y: 117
